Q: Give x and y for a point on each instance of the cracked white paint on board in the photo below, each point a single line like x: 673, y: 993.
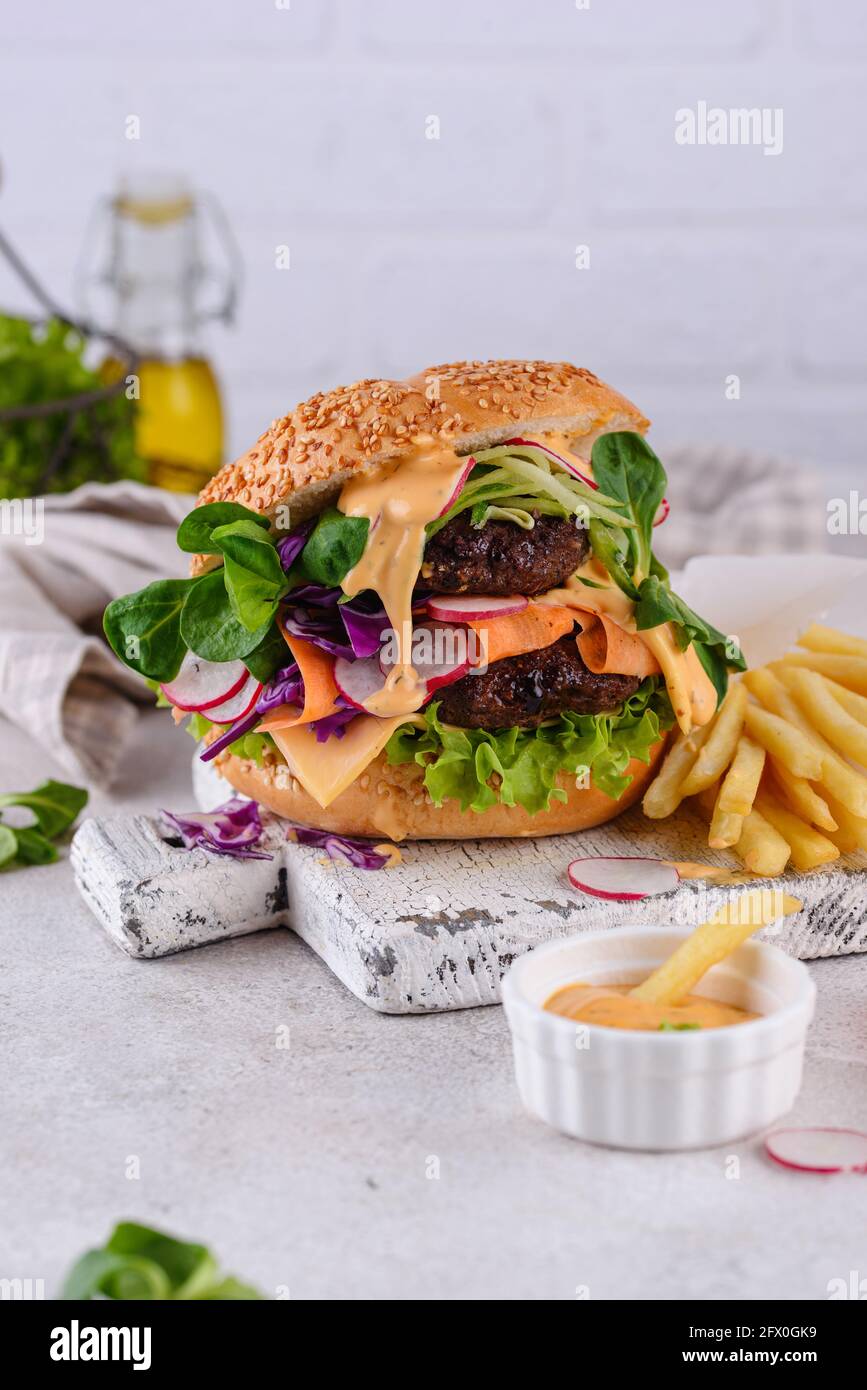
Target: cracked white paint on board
x: 438, y: 931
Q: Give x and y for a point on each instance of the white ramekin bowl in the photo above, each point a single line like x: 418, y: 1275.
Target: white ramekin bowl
x: 667, y: 1090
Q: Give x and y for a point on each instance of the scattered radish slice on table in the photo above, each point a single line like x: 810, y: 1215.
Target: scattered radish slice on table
x: 201, y: 685
x: 819, y: 1150
x: 241, y: 703
x: 623, y: 879
x: 470, y: 608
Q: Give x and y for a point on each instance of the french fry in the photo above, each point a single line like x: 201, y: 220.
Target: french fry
x: 706, y: 800
x: 784, y: 741
x: 719, y: 747
x: 845, y: 842
x: 775, y: 777
x: 853, y: 704
x: 806, y: 802
x: 712, y: 942
x: 837, y: 777
x: 851, y: 827
x: 664, y: 794
x: 843, y: 732
x: 725, y: 828
x: 809, y: 847
x: 765, y: 684
x: 830, y: 639
x: 841, y: 783
x: 762, y: 847
x: 850, y: 671
x: 741, y: 782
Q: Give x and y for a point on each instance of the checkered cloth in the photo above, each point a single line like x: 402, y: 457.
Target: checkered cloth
x: 60, y: 683
x: 727, y: 501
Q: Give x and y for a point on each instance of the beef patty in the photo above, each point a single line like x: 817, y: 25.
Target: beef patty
x: 522, y: 691
x: 502, y: 558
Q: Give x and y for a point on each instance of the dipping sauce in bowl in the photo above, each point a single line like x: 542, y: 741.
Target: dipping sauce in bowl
x: 652, y: 1085
x: 612, y: 1006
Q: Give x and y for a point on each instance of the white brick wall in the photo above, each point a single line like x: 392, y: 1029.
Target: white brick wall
x: 557, y: 129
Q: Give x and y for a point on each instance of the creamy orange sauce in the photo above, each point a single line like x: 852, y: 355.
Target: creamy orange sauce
x: 399, y: 499
x: 688, y: 868
x: 612, y: 1006
x: 690, y: 689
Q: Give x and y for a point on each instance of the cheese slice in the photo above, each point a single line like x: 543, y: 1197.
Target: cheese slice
x: 327, y: 769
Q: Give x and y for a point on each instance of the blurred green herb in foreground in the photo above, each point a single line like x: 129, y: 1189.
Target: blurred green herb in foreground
x: 58, y: 450
x: 137, y: 1262
x: 55, y: 806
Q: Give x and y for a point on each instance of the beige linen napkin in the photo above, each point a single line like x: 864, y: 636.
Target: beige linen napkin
x: 62, y: 559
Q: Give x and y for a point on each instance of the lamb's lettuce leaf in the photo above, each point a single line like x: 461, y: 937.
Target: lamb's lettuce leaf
x: 144, y: 628
x: 334, y: 548
x: 195, y: 533
x: 140, y: 1263
x: 209, y: 626
x: 626, y: 466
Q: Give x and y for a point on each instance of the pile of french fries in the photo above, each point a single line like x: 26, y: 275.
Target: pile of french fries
x: 776, y: 772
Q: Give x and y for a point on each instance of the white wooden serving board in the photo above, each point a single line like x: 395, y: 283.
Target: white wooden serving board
x: 438, y: 931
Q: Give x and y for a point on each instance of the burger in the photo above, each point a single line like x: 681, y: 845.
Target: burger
x: 431, y: 609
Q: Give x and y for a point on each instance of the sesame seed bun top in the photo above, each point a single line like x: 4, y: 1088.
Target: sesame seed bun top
x: 304, y: 459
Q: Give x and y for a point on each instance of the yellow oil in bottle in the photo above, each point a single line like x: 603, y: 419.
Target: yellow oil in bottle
x: 155, y: 273
x: 179, y: 421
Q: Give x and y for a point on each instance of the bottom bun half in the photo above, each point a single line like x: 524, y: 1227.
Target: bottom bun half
x: 391, y: 803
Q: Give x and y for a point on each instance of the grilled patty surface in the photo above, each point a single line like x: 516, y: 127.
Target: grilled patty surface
x: 522, y: 691
x: 502, y: 558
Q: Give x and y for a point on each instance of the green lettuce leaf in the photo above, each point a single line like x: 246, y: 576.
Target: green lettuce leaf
x: 520, y: 767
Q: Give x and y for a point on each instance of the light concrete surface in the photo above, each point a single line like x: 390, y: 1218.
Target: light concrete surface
x: 311, y: 1167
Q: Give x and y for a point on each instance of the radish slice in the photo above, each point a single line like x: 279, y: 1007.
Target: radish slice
x: 240, y: 704
x: 438, y: 659
x: 200, y: 685
x: 459, y: 485
x: 467, y: 608
x: 623, y: 879
x: 819, y: 1150
x: 564, y: 463
x: 358, y: 680
x: 662, y: 513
